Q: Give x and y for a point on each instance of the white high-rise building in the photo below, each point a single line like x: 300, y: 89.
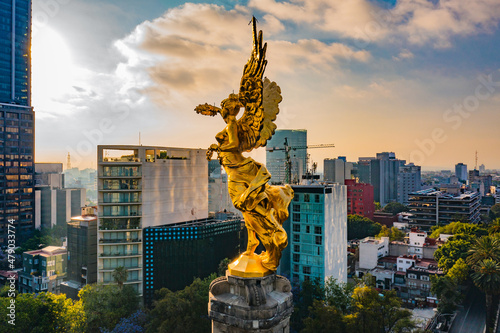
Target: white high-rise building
x: 140, y: 187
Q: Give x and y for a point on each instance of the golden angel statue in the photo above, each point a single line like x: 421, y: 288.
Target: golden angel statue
x: 264, y: 207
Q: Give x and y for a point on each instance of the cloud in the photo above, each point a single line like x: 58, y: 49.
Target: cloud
x: 404, y: 54
x: 188, y: 58
x: 415, y: 21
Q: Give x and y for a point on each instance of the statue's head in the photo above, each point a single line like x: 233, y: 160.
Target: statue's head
x: 230, y: 106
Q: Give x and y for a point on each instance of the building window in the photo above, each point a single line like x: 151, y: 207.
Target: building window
x: 296, y: 197
x: 296, y: 227
x: 317, y: 230
x: 306, y: 270
x: 308, y: 229
x: 296, y: 208
x: 412, y: 276
x: 296, y: 268
x: 296, y: 217
x: 296, y: 248
x: 296, y: 257
x: 316, y: 198
x: 296, y: 238
x: 424, y: 278
x: 319, y: 240
x: 306, y: 197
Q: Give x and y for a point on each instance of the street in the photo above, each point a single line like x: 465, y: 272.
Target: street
x: 472, y: 318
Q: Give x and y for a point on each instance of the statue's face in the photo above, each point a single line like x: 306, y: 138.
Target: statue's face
x: 231, y: 108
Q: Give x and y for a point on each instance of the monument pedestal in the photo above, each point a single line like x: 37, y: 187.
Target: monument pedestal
x: 250, y: 304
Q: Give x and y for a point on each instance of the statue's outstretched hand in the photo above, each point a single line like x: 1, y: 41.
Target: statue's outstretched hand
x: 213, y: 148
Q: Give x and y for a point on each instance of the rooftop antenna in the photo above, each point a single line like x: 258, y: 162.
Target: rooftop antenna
x: 140, y: 139
x: 475, y: 166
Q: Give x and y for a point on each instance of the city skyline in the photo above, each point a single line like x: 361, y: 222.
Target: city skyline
x: 372, y: 76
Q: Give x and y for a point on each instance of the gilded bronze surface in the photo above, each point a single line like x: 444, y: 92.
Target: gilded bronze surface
x: 264, y: 207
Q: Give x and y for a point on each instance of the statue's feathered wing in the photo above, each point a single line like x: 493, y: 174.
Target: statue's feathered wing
x: 260, y: 98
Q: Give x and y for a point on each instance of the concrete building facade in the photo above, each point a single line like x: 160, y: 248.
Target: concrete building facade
x: 336, y: 170
x: 141, y: 187
x: 409, y: 181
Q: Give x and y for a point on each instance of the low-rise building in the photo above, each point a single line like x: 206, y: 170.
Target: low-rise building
x: 404, y: 266
x: 43, y: 270
x: 432, y: 207
x: 371, y: 250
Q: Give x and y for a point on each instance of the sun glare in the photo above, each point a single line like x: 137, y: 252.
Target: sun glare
x: 52, y: 69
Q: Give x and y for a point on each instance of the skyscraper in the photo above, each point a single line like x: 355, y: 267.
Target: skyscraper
x: 461, y: 172
x: 409, y: 181
x: 336, y: 169
x: 17, y: 125
x: 276, y: 160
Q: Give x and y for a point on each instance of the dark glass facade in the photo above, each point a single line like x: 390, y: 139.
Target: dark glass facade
x: 175, y: 254
x: 15, y: 57
x: 17, y: 124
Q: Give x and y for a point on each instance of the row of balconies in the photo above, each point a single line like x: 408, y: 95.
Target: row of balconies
x: 127, y: 240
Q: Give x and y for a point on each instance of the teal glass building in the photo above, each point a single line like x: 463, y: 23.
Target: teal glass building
x: 276, y: 161
x: 317, y: 234
x: 17, y: 125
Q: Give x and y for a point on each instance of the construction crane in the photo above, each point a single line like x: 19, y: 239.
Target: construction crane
x: 288, y: 162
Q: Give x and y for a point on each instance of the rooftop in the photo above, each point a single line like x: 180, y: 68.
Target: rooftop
x: 48, y: 251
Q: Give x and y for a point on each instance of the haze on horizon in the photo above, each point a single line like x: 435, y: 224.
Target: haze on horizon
x: 419, y: 78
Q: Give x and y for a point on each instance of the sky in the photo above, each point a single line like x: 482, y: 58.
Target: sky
x: 419, y: 78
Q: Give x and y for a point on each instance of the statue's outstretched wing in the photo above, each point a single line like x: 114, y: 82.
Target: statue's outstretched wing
x: 259, y: 97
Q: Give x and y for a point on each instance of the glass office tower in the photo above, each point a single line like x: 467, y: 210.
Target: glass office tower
x: 17, y: 125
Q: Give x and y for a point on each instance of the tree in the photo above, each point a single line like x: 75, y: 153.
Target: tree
x: 487, y: 278
x: 135, y: 323
x: 338, y: 294
x: 359, y: 227
x: 446, y: 290
x: 324, y: 318
x: 45, y: 312
x: 304, y: 296
x: 495, y: 211
x: 395, y: 208
x: 456, y: 247
x: 120, y: 275
x: 182, y: 311
x: 459, y: 271
x: 486, y: 247
x: 105, y: 305
x: 374, y: 312
x: 494, y: 227
x: 377, y: 205
x: 394, y: 233
x: 223, y: 265
x: 455, y: 228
